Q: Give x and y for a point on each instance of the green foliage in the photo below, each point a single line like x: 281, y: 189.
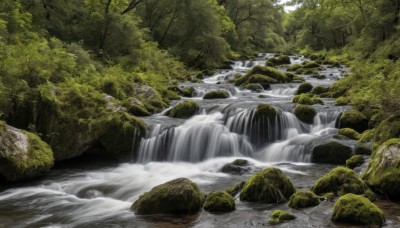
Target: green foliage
x: 357, y: 210
x: 219, y: 202
x: 303, y: 199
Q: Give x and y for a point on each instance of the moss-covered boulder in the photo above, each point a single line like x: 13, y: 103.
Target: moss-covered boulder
x: 355, y: 161
x: 331, y: 152
x: 234, y: 190
x: 340, y: 180
x: 319, y: 90
x: 152, y: 100
x: 298, y: 79
x: 310, y: 64
x: 23, y: 155
x: 237, y: 167
x: 388, y: 129
x: 184, y: 110
x: 305, y: 113
x: 270, y: 185
x: 355, y: 120
x: 383, y: 172
x: 306, y: 99
x: 219, y: 202
x: 304, y: 88
x: 363, y: 149
x: 135, y: 107
x: 216, y: 94
x: 303, y: 199
x: 262, y: 80
x: 279, y: 217
x: 258, y: 88
x: 278, y: 60
x: 357, y: 210
x: 349, y: 133
x: 179, y: 196
x: 264, y: 111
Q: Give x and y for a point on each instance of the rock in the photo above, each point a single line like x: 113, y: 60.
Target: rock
x: 279, y: 76
x: 310, y: 64
x: 264, y: 111
x: 219, y: 202
x: 291, y: 76
x: 279, y: 216
x: 383, y: 171
x: 349, y: 133
x: 150, y: 98
x: 237, y: 167
x: 184, y: 110
x: 355, y: 161
x: 304, y: 88
x: 233, y: 191
x: 298, y: 79
x: 303, y: 199
x: 254, y: 88
x: 340, y: 180
x: 388, y: 129
x: 305, y: 99
x: 217, y: 94
x: 277, y: 61
x: 136, y: 108
x: 262, y: 80
x: 183, y: 91
x: 270, y: 185
x: 331, y: 152
x: 353, y: 119
x: 305, y: 113
x: 179, y: 196
x: 319, y: 90
x: 363, y: 149
x: 23, y: 155
x: 357, y: 210
x: 342, y: 101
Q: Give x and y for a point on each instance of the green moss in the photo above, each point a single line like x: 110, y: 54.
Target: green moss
x: 388, y: 129
x: 355, y: 120
x: 367, y: 136
x: 136, y: 108
x: 265, y: 111
x: 305, y: 99
x: 179, y: 196
x: 279, y: 76
x: 278, y: 60
x: 358, y: 210
x: 355, y: 161
x: 16, y: 164
x: 340, y: 180
x: 217, y: 94
x: 342, y: 101
x: 304, y: 88
x: 290, y: 76
x: 279, y: 216
x: 219, y: 202
x: 233, y: 191
x: 310, y: 65
x: 268, y: 186
x: 331, y: 152
x: 349, y: 133
x: 296, y: 98
x: 330, y: 195
x: 254, y: 87
x: 319, y: 90
x: 305, y: 113
x: 303, y: 199
x: 184, y: 110
x: 298, y: 79
x: 363, y: 149
x: 240, y: 162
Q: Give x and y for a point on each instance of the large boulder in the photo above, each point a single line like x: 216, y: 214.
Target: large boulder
x: 179, y: 196
x: 388, y: 129
x: 270, y: 185
x: 303, y: 199
x: 383, y: 172
x: 305, y: 113
x: 219, y: 202
x: 23, y: 155
x: 304, y: 88
x: 340, y: 180
x: 265, y: 111
x: 357, y: 210
x: 353, y: 119
x: 331, y: 152
x: 184, y: 110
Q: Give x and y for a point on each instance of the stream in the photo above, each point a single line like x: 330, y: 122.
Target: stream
x: 101, y: 194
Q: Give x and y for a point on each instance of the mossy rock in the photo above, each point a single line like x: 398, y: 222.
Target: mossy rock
x: 279, y: 216
x: 254, y: 88
x: 355, y: 161
x: 262, y: 80
x: 136, y: 108
x: 304, y: 99
x: 349, y: 133
x: 342, y: 101
x: 278, y: 60
x: 303, y: 199
x: 184, y: 110
x: 388, y: 129
x: 367, y: 136
x: 319, y: 90
x: 233, y: 191
x: 304, y: 88
x: 265, y: 111
x: 237, y: 167
x: 183, y: 91
x: 279, y: 76
x: 357, y: 210
x: 179, y: 196
x: 310, y: 64
x: 331, y: 152
x: 290, y: 76
x: 355, y: 120
x: 270, y: 185
x: 363, y: 149
x: 296, y: 98
x: 298, y: 79
x: 23, y: 155
x: 216, y: 94
x: 219, y: 202
x: 383, y: 171
x: 305, y: 113
x: 340, y: 180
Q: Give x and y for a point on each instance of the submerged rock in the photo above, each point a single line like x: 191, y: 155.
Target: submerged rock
x: 303, y: 199
x: 357, y: 210
x: 184, y: 110
x: 270, y: 185
x: 340, y: 180
x: 219, y: 202
x: 217, y: 94
x: 280, y: 216
x: 179, y: 196
x: 23, y: 155
x: 331, y: 152
x: 383, y: 172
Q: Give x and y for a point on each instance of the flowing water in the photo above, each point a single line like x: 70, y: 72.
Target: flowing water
x: 100, y: 195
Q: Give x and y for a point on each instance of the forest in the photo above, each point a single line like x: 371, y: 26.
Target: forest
x: 190, y: 85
